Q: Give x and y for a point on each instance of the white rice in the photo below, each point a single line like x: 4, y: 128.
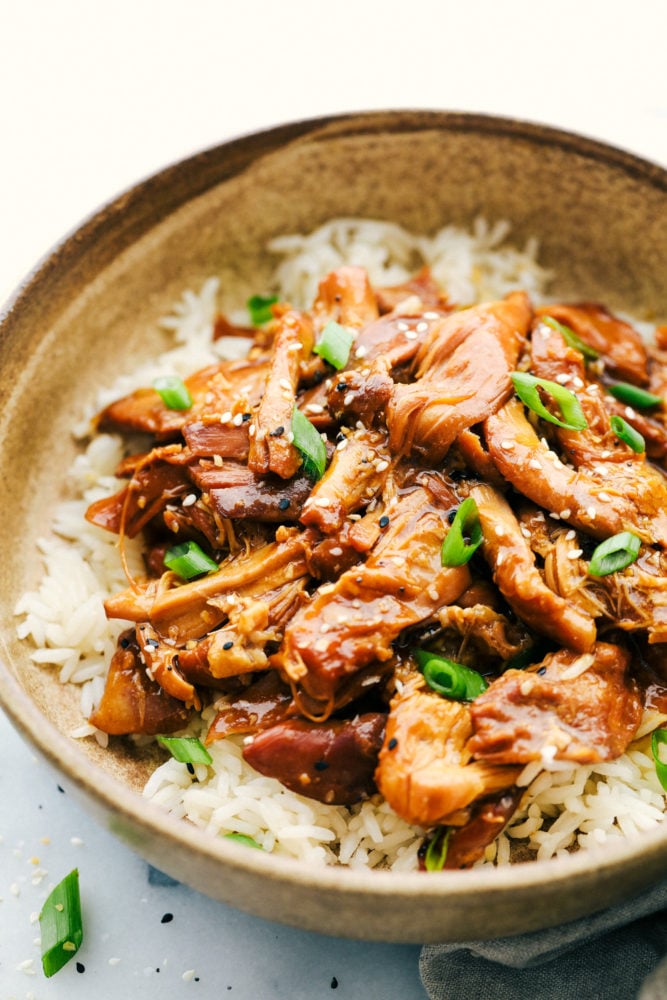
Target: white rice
x: 563, y: 807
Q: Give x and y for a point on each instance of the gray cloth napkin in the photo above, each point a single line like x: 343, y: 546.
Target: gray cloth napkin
x: 619, y: 954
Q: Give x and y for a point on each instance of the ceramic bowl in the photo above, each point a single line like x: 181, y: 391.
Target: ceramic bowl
x: 89, y: 310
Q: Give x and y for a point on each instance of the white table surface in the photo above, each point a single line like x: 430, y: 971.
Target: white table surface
x: 94, y: 97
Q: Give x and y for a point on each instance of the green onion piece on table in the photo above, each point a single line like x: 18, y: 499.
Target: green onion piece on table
x: 308, y: 441
x: 614, y: 553
x: 61, y: 925
x: 634, y: 396
x: 436, y: 852
x: 571, y: 338
x: 242, y: 838
x: 448, y: 678
x: 188, y: 560
x: 259, y: 307
x: 659, y: 737
x: 526, y: 387
x: 186, y: 749
x: 624, y: 432
x: 173, y: 392
x: 334, y: 344
x: 464, y: 536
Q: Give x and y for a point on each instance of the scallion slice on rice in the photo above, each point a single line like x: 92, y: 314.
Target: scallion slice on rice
x: 242, y: 838
x: 61, y: 924
x: 186, y: 749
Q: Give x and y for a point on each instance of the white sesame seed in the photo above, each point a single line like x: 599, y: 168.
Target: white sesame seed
x: 225, y: 417
x: 501, y: 559
x: 431, y: 315
x: 534, y: 464
x: 335, y: 551
x: 324, y: 437
x: 604, y: 496
x: 314, y: 408
x: 593, y: 388
x: 189, y: 500
x: 188, y: 976
x: 411, y: 334
x: 433, y: 593
x: 630, y: 413
x: 354, y: 517
x: 323, y: 502
x: 238, y: 420
x: 381, y: 465
x: 592, y: 513
x: 341, y: 444
x: 570, y: 536
x: 566, y: 513
x: 289, y: 437
x: 605, y: 454
x: 402, y: 326
x: 563, y: 379
x: 285, y: 383
x: 556, y: 517
x: 114, y: 961
x: 575, y: 553
x: 361, y: 351
x: 524, y: 531
x: 252, y: 431
x: 507, y: 445
x: 217, y: 460
x: 27, y: 967
x: 422, y: 327
x: 347, y: 398
x: 327, y: 588
x: 577, y: 382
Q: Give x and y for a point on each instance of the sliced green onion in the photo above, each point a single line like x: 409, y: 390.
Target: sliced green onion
x: 526, y: 387
x: 614, y: 553
x: 624, y: 432
x: 464, y: 536
x: 634, y: 396
x: 189, y: 561
x: 61, y: 925
x: 173, y: 392
x: 570, y: 338
x: 259, y: 307
x: 242, y: 838
x: 310, y: 444
x: 659, y: 736
x: 186, y: 749
x: 436, y: 852
x: 448, y: 678
x: 334, y: 344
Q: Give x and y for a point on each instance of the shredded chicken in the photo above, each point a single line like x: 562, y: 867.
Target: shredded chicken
x: 328, y: 604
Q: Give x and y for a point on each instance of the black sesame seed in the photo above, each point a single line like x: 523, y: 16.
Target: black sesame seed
x: 392, y: 744
x: 228, y: 644
x: 80, y: 967
x: 152, y: 642
x: 342, y: 387
x: 60, y: 789
x: 246, y: 417
x: 278, y: 432
x: 334, y: 983
x: 283, y: 503
x: 452, y: 514
x: 320, y: 765
x: 167, y: 918
x: 542, y: 671
x: 124, y: 643
x: 190, y: 767
x: 384, y: 521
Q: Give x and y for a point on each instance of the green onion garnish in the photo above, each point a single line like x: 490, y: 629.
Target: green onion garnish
x: 448, y: 678
x: 310, y: 444
x: 436, y: 852
x: 526, y: 387
x: 188, y: 560
x: 186, y: 749
x: 634, y: 396
x: 659, y: 736
x: 464, y: 536
x: 173, y: 392
x: 242, y: 838
x: 570, y: 338
x: 259, y: 307
x: 614, y: 553
x: 334, y: 344
x: 61, y: 924
x: 624, y: 432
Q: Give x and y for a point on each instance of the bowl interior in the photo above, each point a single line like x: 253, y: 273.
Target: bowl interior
x: 89, y: 313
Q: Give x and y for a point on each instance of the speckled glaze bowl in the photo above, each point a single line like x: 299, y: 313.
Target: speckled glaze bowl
x: 89, y: 311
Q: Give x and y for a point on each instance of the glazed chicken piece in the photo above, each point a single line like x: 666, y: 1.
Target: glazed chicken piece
x: 462, y: 377
x: 261, y: 705
x: 331, y: 761
x: 271, y: 447
x: 235, y: 491
x: 355, y: 476
x: 602, y: 503
x: 354, y: 621
x: 214, y: 390
x: 425, y: 770
x: 422, y: 287
x: 582, y: 708
x: 489, y: 818
x: 619, y: 345
x: 132, y: 702
x: 484, y: 633
x: 518, y: 579
x: 345, y: 296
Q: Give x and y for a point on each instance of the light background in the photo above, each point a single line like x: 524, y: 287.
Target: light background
x: 94, y: 97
